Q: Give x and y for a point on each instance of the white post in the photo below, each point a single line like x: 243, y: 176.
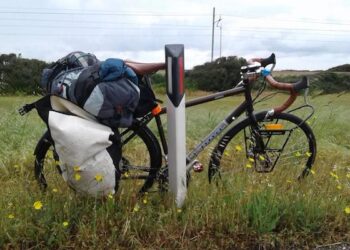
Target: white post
x: 174, y: 57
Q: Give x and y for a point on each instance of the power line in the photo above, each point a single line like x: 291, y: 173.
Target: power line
x: 134, y: 12
x: 167, y: 25
x: 100, y: 22
x: 250, y: 37
x: 103, y: 13
x: 281, y: 32
x: 122, y: 26
x: 293, y: 29
x: 100, y: 27
x: 33, y: 11
x: 297, y: 20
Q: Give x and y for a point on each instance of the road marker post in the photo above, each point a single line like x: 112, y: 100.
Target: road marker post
x: 176, y: 119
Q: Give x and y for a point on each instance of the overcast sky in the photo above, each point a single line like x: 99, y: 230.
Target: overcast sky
x: 304, y: 34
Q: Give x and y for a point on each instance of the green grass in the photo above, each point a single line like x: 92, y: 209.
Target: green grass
x: 247, y: 210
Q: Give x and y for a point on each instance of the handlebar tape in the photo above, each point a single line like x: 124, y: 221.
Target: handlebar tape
x: 301, y: 84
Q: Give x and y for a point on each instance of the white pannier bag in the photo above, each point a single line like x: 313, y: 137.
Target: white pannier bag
x: 81, y: 144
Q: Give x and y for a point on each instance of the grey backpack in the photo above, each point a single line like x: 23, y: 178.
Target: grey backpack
x: 108, y: 90
x: 73, y: 60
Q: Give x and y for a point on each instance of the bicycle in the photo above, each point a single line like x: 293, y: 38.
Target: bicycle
x: 267, y: 139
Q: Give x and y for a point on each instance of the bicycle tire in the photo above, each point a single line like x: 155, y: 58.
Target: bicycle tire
x: 235, y: 150
x: 146, y: 158
x: 45, y: 155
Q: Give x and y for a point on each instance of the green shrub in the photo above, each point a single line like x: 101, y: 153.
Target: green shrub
x: 221, y: 74
x: 20, y: 75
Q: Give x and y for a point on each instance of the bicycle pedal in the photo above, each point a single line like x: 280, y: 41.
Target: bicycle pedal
x: 197, y: 167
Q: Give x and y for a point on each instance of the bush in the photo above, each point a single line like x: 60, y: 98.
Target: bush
x: 323, y: 83
x: 219, y: 75
x: 158, y: 78
x: 341, y: 68
x: 328, y: 82
x: 20, y: 75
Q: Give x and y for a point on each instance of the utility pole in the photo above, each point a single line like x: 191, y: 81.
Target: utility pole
x: 220, y: 26
x: 220, y: 38
x: 212, y: 36
x: 217, y: 22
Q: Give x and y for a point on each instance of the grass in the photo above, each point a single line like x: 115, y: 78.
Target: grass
x: 247, y: 210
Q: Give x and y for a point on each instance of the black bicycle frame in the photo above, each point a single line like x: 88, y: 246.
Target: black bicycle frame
x: 246, y: 105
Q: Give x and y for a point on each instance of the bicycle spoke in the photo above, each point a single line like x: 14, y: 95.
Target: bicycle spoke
x: 286, y: 151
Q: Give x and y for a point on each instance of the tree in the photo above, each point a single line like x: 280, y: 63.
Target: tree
x: 219, y: 75
x: 20, y: 75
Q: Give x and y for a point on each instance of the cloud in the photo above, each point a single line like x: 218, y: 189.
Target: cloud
x: 140, y: 29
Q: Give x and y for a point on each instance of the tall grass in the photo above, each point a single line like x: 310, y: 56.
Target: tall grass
x: 244, y: 210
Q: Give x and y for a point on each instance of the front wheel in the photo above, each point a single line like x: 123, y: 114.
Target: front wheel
x: 283, y: 145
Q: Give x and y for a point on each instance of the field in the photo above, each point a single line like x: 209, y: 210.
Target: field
x: 251, y: 210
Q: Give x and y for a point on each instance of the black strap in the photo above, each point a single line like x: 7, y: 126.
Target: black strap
x: 26, y: 109
x: 115, y: 138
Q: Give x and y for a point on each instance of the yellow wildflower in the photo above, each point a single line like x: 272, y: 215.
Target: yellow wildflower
x: 339, y: 187
x: 297, y: 154
x: 308, y: 154
x: 65, y: 223
x: 49, y: 155
x: 251, y: 159
x: 334, y: 175
x: 38, y: 205
x: 55, y: 190
x: 16, y: 166
x: 126, y: 174
x: 248, y: 165
x: 76, y: 168
x: 144, y: 201
x: 179, y: 210
x: 226, y: 153
x: 110, y: 196
x: 238, y: 148
x: 77, y: 176
x: 57, y: 162
x: 136, y: 208
x: 261, y: 158
x: 312, y: 172
x: 11, y: 216
x: 347, y: 210
x: 98, y: 178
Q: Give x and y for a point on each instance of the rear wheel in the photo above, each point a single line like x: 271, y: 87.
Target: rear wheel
x: 288, y: 151
x: 141, y: 160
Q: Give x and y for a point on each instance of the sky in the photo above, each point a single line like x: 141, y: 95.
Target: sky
x: 304, y: 34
